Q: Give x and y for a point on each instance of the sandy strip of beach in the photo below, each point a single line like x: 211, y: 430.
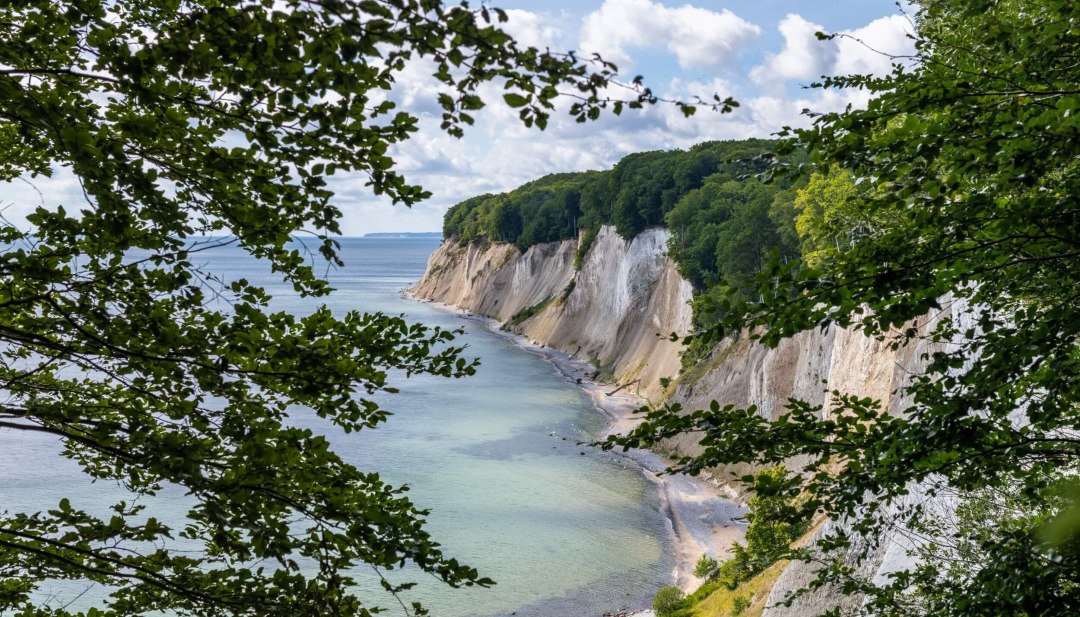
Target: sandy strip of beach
x: 702, y: 519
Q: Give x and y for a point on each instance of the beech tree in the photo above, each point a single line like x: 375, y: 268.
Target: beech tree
x: 966, y: 158
x: 825, y: 223
x: 182, y: 120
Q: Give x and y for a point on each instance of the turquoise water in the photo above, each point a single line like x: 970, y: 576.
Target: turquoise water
x: 494, y: 457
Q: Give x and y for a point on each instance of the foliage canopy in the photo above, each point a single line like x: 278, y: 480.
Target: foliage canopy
x: 182, y: 120
x: 667, y: 601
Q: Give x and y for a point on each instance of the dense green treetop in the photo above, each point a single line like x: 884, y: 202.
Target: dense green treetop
x: 637, y: 193
x: 828, y: 215
x: 182, y: 120
x: 544, y: 210
x: 724, y: 223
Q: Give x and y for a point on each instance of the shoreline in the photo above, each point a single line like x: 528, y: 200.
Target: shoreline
x: 701, y: 518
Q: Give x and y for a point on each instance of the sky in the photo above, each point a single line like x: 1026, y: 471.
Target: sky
x: 761, y: 52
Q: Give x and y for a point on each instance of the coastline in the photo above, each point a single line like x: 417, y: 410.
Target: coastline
x: 701, y: 518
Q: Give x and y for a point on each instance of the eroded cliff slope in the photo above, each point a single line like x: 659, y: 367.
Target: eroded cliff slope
x: 620, y: 308
x: 616, y: 312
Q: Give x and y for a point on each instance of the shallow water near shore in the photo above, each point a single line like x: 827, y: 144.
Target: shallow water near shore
x: 563, y: 529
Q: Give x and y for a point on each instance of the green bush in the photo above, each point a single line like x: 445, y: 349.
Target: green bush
x: 739, y: 604
x: 529, y: 311
x: 775, y: 522
x: 569, y: 289
x: 584, y: 246
x: 706, y: 567
x: 667, y: 601
x: 737, y: 569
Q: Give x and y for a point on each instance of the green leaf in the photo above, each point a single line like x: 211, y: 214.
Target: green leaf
x: 514, y: 99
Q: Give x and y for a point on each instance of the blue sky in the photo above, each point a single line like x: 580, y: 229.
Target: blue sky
x: 762, y: 52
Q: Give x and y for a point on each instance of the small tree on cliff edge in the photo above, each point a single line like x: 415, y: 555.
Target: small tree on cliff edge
x: 185, y: 119
x: 968, y: 155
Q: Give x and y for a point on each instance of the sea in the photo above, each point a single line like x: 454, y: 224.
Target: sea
x: 564, y: 529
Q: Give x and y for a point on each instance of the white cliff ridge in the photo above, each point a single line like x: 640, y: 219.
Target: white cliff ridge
x: 617, y: 312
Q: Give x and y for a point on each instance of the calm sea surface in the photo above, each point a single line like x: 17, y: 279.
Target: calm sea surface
x: 561, y: 534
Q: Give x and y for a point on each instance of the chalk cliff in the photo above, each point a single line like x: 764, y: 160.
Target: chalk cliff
x: 617, y: 312
x: 619, y: 309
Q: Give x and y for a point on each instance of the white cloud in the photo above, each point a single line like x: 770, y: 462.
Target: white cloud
x: 803, y: 55
x: 699, y: 38
x: 871, y: 49
x: 499, y: 154
x: 21, y: 196
x: 533, y: 29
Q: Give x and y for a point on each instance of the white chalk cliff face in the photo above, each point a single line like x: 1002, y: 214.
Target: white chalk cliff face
x: 807, y: 366
x: 618, y: 310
